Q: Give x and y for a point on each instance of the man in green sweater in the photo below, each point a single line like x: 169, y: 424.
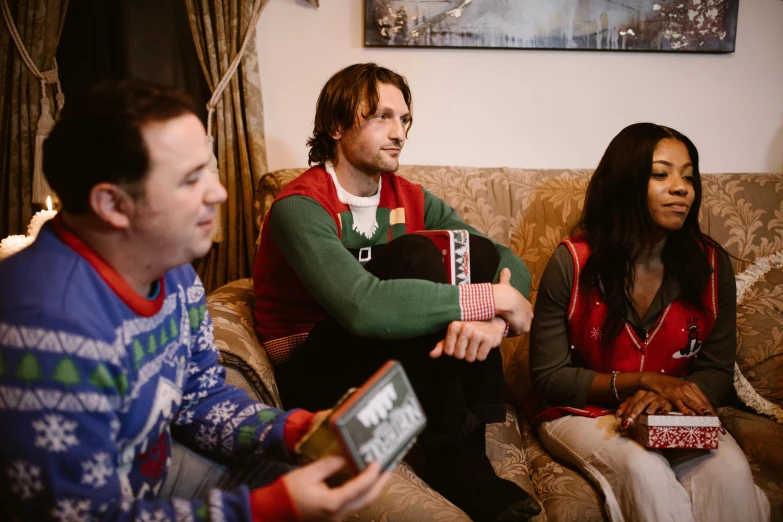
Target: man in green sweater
x: 342, y: 284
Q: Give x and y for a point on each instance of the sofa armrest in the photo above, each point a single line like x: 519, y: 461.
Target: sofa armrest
x: 241, y: 352
x: 760, y: 439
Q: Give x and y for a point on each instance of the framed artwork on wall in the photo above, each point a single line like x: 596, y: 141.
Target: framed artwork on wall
x: 693, y: 26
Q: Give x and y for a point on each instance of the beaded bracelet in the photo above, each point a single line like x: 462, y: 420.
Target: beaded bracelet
x: 614, y: 387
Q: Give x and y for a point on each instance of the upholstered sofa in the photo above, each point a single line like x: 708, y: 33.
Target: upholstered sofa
x: 531, y: 211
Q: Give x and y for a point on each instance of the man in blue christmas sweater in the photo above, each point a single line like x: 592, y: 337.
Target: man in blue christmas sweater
x: 108, y: 369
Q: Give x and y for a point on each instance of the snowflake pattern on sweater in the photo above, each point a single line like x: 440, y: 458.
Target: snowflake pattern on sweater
x: 93, y: 388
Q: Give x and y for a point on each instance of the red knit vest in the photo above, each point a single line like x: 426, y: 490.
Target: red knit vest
x: 285, y: 312
x: 668, y: 347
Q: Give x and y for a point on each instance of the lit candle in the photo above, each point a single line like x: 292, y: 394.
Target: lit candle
x: 13, y: 244
x: 41, y: 217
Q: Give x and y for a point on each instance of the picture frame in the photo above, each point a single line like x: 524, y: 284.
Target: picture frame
x: 690, y: 26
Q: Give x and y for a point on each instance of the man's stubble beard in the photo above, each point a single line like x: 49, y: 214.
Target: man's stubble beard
x: 383, y: 165
x: 375, y: 164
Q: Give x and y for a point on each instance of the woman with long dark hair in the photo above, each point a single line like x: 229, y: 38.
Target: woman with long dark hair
x: 636, y: 313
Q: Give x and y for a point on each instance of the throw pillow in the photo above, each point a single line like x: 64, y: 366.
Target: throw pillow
x: 758, y: 372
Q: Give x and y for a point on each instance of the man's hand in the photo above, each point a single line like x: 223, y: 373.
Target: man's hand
x: 319, y: 417
x: 686, y: 396
x: 470, y: 340
x: 511, y: 305
x: 316, y: 501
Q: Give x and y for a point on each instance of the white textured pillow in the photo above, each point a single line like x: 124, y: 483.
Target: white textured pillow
x: 758, y: 370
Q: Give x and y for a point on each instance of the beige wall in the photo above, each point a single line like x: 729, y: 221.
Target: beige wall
x: 534, y: 109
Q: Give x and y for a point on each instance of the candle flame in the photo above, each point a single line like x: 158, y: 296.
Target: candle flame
x: 49, y: 203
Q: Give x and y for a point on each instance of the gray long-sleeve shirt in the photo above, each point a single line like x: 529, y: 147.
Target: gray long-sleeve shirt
x: 558, y: 382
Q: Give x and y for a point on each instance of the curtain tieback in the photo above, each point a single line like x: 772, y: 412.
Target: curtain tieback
x: 41, y: 188
x: 217, y: 93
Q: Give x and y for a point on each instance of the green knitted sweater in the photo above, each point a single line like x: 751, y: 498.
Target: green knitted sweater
x: 307, y: 237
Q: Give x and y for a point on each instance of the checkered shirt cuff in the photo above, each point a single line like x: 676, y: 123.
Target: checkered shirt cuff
x: 508, y: 327
x: 477, y: 302
x: 280, y: 350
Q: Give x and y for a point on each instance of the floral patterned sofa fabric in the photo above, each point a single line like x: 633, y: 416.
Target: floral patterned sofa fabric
x: 760, y: 336
x: 247, y: 365
x: 531, y: 211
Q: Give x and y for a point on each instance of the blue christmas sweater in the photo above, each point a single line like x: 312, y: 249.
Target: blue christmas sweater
x: 93, y: 380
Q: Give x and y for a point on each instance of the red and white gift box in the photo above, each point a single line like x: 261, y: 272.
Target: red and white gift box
x: 675, y: 430
x: 454, y: 245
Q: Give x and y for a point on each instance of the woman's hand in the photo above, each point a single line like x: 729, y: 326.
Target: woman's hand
x: 643, y: 401
x: 686, y: 396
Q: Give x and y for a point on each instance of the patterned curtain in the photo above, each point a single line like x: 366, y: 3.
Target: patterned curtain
x: 218, y: 28
x: 40, y: 24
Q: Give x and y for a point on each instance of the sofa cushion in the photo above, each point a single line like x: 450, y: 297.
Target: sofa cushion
x: 759, y: 369
x: 247, y: 365
x: 761, y: 439
x: 564, y: 493
x: 408, y: 497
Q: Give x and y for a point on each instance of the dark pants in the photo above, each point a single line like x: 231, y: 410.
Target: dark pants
x: 457, y: 396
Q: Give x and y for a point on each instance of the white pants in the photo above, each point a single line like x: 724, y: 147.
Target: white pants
x: 657, y: 485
